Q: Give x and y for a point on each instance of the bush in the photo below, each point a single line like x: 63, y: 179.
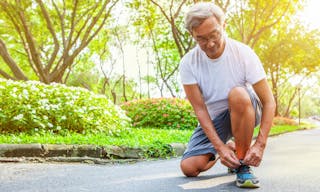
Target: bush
x: 284, y: 121
x: 161, y: 113
x: 35, y: 107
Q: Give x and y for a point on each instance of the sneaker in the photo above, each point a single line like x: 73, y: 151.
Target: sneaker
x: 245, y: 177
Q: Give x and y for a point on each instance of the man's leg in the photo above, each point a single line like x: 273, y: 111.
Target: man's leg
x: 192, y: 166
x: 199, y: 155
x: 242, y: 119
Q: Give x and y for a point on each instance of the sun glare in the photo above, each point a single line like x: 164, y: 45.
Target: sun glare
x: 311, y: 14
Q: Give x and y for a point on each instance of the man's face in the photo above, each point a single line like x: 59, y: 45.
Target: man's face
x: 209, y: 37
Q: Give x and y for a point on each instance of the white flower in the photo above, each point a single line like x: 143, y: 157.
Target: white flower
x: 18, y: 117
x: 14, y: 95
x: 34, y: 88
x: 25, y: 93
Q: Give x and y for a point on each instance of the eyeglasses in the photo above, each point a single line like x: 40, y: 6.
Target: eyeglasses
x: 213, y: 36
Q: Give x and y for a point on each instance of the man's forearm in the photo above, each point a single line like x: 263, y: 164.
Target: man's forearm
x: 266, y: 123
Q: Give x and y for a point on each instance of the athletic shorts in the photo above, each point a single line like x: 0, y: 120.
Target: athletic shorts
x: 199, y: 144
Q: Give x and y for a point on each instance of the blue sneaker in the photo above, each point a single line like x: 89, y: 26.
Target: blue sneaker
x: 245, y: 177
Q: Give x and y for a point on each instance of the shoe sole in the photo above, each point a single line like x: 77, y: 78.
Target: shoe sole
x: 248, y: 184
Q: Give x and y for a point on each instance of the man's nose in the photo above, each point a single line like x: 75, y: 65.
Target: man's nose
x: 210, y: 43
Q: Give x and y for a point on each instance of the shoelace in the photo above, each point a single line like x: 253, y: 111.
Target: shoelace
x: 243, y: 168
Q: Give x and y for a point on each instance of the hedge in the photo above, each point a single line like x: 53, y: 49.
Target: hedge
x: 36, y: 107
x: 161, y: 113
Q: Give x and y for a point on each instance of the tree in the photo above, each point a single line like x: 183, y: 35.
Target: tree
x: 268, y: 27
x: 162, y: 23
x: 249, y: 20
x: 49, y: 36
x: 289, y: 53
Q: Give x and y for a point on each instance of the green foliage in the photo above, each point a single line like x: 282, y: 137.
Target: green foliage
x: 158, y: 150
x: 161, y: 113
x: 45, y: 38
x: 161, y: 25
x: 33, y: 107
x: 139, y: 137
x: 252, y: 21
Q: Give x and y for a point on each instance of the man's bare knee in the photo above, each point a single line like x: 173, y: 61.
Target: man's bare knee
x: 193, y: 166
x: 188, y: 170
x: 239, y: 99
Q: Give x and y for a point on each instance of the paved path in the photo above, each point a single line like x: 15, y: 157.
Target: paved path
x: 291, y: 163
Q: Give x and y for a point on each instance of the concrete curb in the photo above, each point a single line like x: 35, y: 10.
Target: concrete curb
x: 76, y: 153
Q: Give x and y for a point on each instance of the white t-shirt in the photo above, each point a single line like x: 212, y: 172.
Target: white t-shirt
x: 237, y: 66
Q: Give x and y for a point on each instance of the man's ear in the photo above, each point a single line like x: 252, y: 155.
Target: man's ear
x: 224, y: 25
x: 191, y: 33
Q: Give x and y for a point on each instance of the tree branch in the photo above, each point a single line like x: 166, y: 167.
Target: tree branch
x: 72, y: 27
x: 11, y: 63
x: 6, y: 75
x: 61, y: 17
x: 161, y: 9
x: 262, y: 29
x: 32, y: 45
x: 53, y: 33
x: 86, y: 38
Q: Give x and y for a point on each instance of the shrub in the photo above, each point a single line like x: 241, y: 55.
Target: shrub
x: 284, y: 121
x: 161, y: 113
x: 35, y: 107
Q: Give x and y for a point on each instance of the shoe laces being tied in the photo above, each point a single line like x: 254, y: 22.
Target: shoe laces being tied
x: 244, y: 172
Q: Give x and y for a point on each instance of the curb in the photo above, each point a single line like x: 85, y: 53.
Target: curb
x: 92, y: 154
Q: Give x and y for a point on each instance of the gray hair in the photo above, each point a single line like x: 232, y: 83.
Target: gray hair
x: 200, y: 12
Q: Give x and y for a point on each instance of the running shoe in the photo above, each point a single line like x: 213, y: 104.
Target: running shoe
x: 245, y: 177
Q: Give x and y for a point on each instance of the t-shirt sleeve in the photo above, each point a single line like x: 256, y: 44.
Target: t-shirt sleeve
x: 254, y: 69
x: 186, y: 74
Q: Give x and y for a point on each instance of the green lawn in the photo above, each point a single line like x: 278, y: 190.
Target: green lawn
x: 140, y: 137
x: 137, y: 137
x: 280, y: 129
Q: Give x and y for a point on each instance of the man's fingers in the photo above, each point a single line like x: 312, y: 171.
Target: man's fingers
x: 235, y: 160
x: 247, y: 160
x: 252, y: 159
x: 231, y: 161
x: 229, y: 158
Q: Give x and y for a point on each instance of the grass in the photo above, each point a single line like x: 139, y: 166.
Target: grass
x: 280, y: 129
x: 137, y: 137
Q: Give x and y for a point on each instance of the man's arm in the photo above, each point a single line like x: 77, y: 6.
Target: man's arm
x: 227, y: 156
x: 254, y: 154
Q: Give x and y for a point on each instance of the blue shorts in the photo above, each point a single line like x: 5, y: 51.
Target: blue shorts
x: 199, y: 144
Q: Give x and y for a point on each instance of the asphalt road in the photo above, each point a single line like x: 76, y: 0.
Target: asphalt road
x: 291, y: 163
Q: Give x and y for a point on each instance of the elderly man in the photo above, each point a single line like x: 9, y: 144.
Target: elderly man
x: 226, y: 85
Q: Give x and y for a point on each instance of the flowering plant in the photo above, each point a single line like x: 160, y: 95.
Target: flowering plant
x: 161, y: 113
x: 36, y: 107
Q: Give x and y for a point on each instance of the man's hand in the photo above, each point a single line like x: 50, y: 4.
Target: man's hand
x: 254, y: 155
x: 228, y: 157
